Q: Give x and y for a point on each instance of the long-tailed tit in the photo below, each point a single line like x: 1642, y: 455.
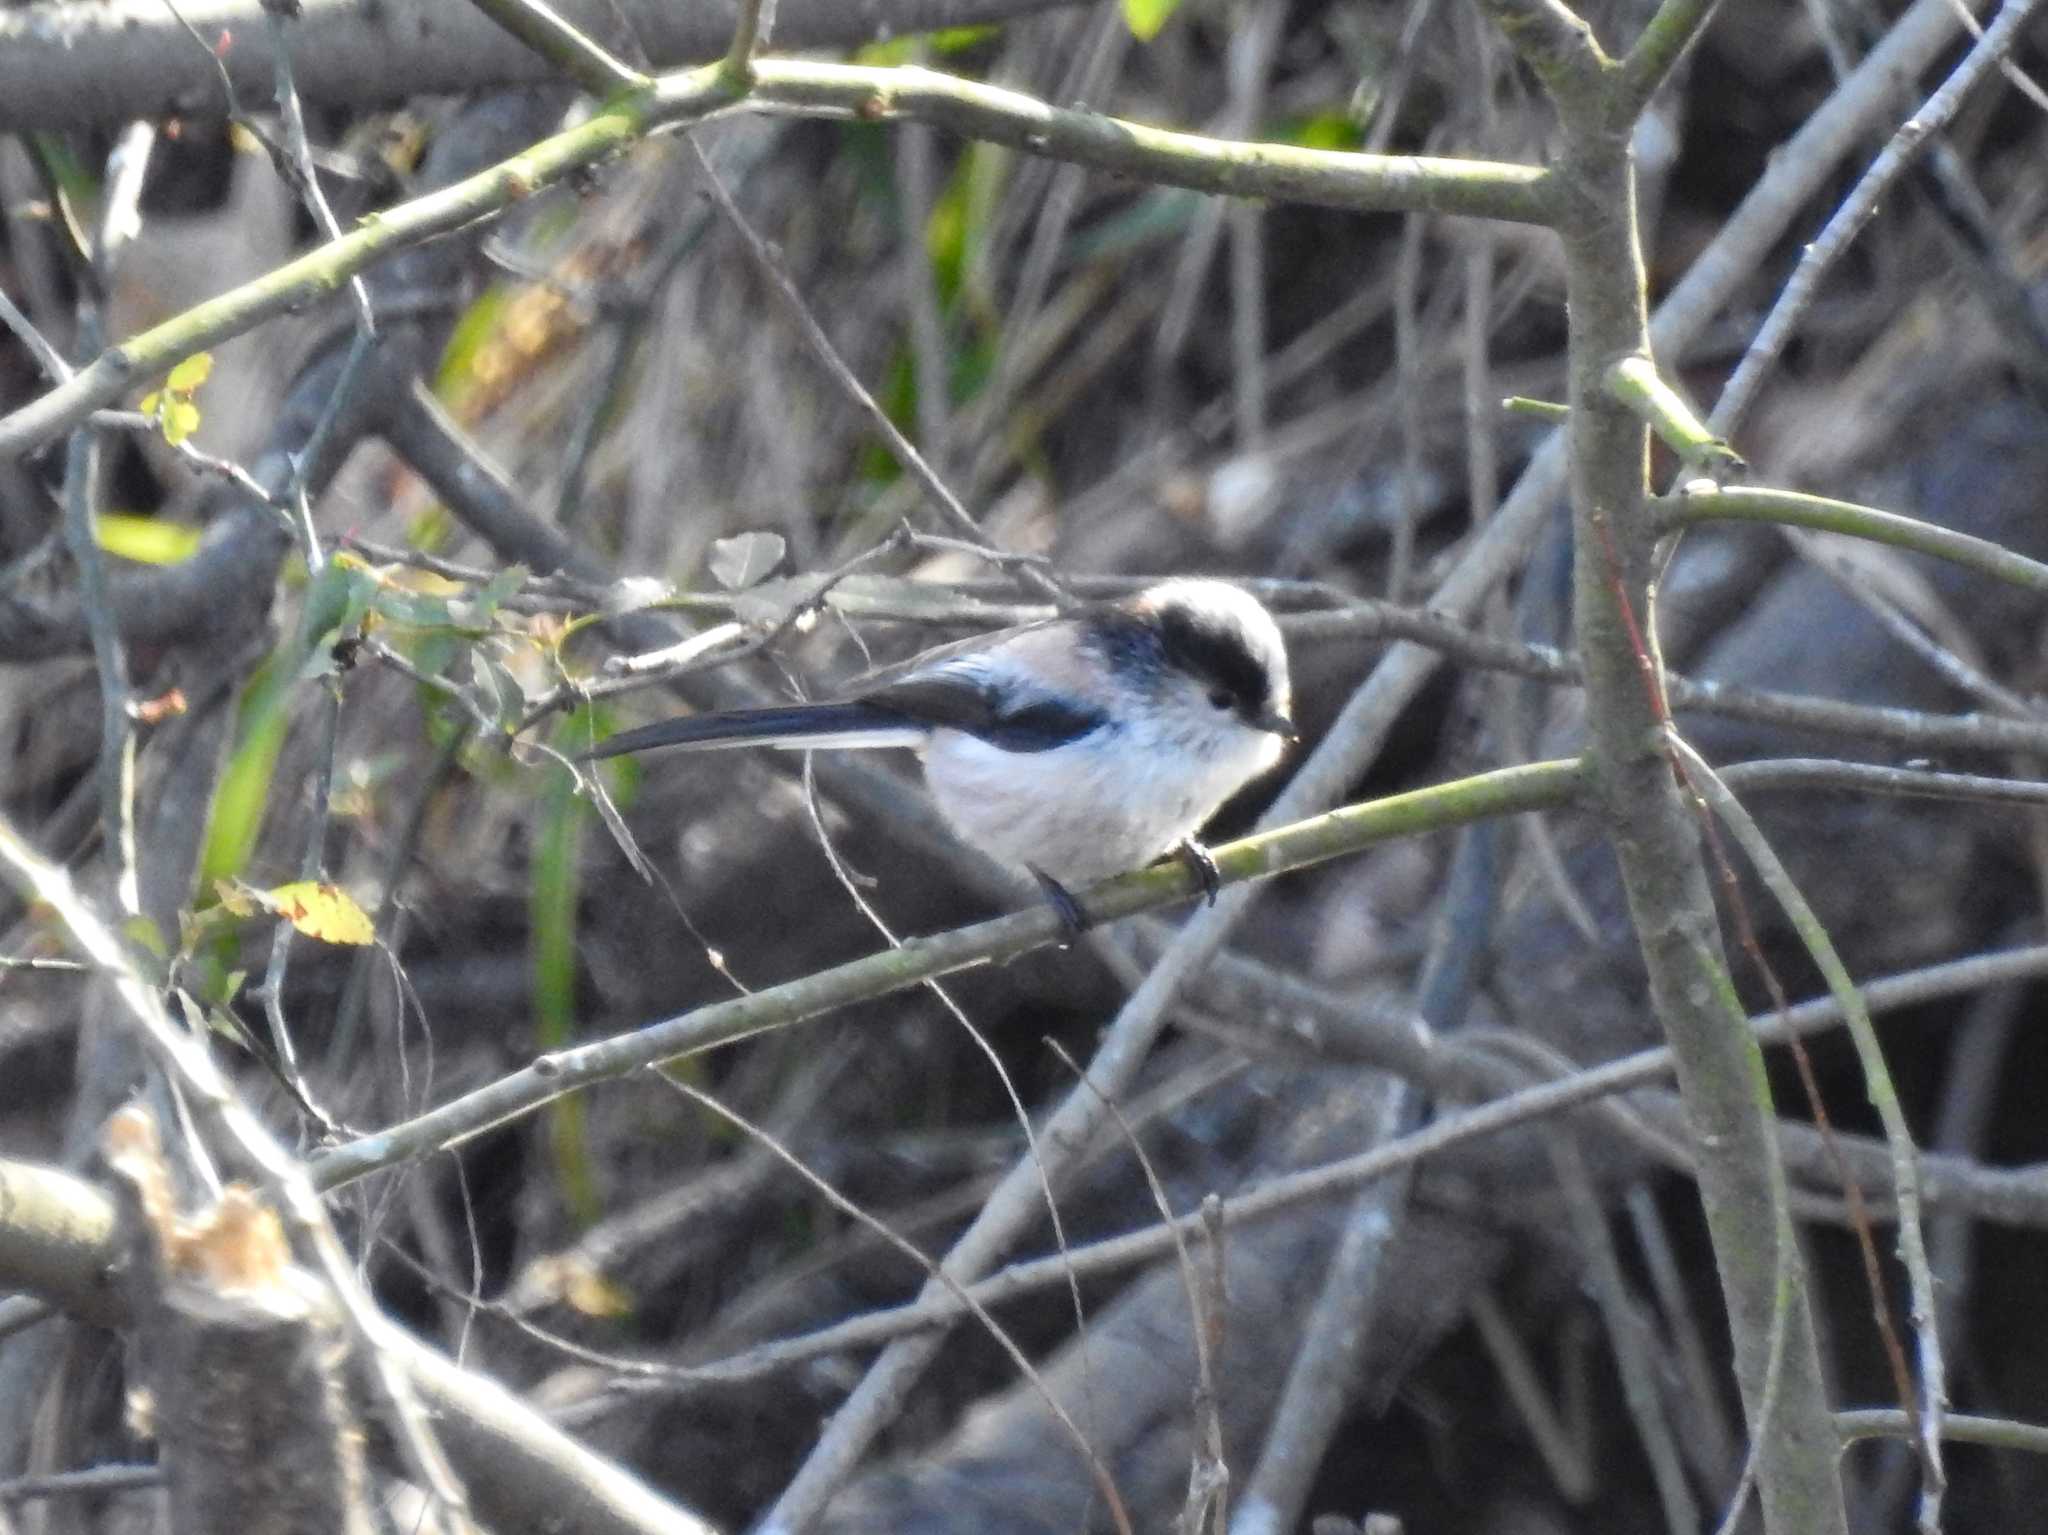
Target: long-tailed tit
x: 1080, y: 747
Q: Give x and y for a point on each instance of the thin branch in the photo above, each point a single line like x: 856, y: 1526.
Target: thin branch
x: 1322, y: 177
x: 116, y: 769
x: 1439, y: 1066
x: 1325, y: 1370
x: 750, y: 34
x: 312, y: 867
x: 1539, y: 786
x: 185, y: 1060
x: 40, y: 347
x: 1626, y: 1335
x: 96, y: 1481
x: 1956, y: 1428
x: 1658, y: 48
x: 569, y: 49
x: 1856, y: 210
x: 1103, y: 1482
x: 1713, y: 503
x: 828, y: 356
x: 1797, y: 170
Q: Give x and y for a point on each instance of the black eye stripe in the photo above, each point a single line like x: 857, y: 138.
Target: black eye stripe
x: 1219, y: 655
x: 1244, y: 672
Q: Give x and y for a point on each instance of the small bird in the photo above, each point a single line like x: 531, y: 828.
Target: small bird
x: 1080, y: 747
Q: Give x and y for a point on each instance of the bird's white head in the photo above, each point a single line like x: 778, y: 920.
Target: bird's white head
x: 1208, y: 656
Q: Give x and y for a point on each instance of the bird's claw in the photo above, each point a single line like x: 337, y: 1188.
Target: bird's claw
x: 1073, y: 916
x: 1202, y: 866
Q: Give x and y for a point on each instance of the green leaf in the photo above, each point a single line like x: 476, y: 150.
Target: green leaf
x: 493, y: 592
x: 73, y: 176
x: 456, y: 378
x: 413, y: 610
x: 145, y: 933
x: 557, y: 880
x: 243, y: 792
x: 901, y: 50
x: 1326, y: 130
x: 1146, y: 17
x: 745, y: 559
x: 504, y: 700
x: 338, y: 597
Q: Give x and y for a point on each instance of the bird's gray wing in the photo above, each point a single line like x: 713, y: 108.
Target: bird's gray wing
x: 862, y: 684
x: 973, y: 690
x: 1009, y: 688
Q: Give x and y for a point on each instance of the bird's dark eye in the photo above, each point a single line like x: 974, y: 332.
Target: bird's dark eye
x: 1220, y: 698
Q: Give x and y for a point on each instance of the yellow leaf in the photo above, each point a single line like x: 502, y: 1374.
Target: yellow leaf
x: 181, y: 420
x: 578, y: 1283
x: 190, y: 374
x: 326, y: 912
x: 590, y: 1292
x: 1145, y: 18
x: 150, y: 402
x: 146, y: 540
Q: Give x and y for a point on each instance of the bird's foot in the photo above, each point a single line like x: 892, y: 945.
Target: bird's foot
x: 1073, y: 916
x: 1201, y: 865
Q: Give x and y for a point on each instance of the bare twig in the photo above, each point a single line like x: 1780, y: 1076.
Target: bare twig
x: 847, y: 1207
x: 811, y: 88
x: 828, y: 356
x: 1369, y: 715
x: 1625, y: 1331
x: 116, y: 770
x: 574, y: 52
x: 918, y: 958
x: 750, y: 35
x: 1848, y: 220
x: 1956, y: 1427
x: 185, y: 1059
x: 1324, y: 1374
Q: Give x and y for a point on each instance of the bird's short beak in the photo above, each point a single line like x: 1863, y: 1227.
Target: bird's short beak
x: 1273, y: 722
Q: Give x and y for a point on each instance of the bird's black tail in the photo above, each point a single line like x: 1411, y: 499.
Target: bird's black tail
x: 794, y: 725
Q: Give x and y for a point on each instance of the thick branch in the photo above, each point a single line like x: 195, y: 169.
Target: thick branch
x: 78, y: 64
x: 521, y: 1471
x: 1364, y: 183
x: 1331, y: 179
x: 1720, y: 1069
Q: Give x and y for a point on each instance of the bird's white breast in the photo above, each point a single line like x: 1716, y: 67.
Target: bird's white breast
x: 1114, y: 800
